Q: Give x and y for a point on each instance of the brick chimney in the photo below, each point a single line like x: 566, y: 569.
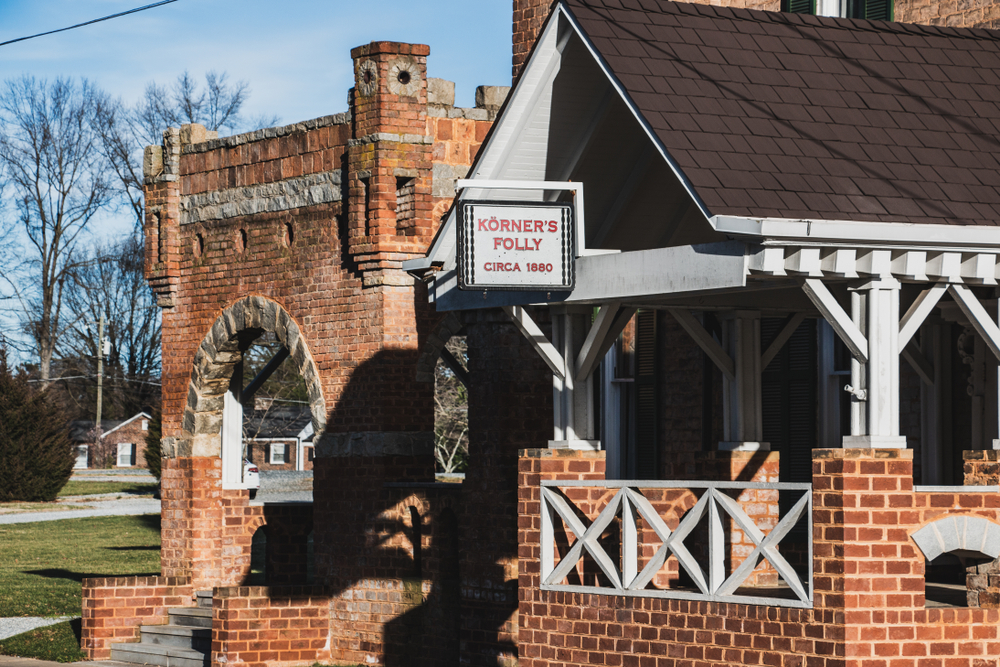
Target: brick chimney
x: 529, y: 15
x: 389, y: 160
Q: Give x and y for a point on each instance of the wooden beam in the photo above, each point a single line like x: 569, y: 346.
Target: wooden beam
x: 837, y: 317
x: 456, y: 367
x: 611, y: 319
x: 705, y: 341
x: 534, y: 334
x: 978, y: 317
x: 246, y: 395
x: 791, y: 325
x: 918, y: 312
x: 920, y: 363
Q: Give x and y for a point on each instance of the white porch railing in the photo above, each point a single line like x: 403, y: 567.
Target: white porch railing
x: 715, y: 584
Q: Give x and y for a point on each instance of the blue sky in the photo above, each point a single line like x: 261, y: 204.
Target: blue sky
x: 294, y: 53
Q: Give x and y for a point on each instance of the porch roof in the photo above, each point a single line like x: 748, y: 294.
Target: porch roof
x: 791, y: 116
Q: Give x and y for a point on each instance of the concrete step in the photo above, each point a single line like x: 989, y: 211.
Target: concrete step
x: 204, y: 598
x: 183, y: 636
x: 197, y: 617
x: 154, y: 654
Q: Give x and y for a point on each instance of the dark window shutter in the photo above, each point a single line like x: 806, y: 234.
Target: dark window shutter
x: 646, y: 379
x: 799, y: 6
x: 872, y: 10
x: 788, y: 399
x: 878, y: 10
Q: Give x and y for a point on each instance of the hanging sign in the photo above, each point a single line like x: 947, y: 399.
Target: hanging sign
x: 515, y: 246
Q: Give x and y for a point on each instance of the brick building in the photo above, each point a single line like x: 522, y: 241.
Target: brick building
x: 121, y: 442
x: 664, y: 468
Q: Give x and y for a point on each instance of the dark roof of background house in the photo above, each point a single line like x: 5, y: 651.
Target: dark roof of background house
x: 79, y: 430
x: 276, y: 422
x: 794, y: 116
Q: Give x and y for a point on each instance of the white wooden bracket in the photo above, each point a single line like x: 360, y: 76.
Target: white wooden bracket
x: 918, y: 312
x: 705, y: 341
x: 791, y: 324
x: 530, y: 329
x: 978, y: 317
x: 610, y: 321
x: 838, y: 318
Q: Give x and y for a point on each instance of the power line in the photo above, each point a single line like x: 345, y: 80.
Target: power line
x: 80, y: 25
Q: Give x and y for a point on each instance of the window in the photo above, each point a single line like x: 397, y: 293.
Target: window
x: 145, y: 424
x: 126, y: 454
x: 873, y: 10
x: 279, y: 453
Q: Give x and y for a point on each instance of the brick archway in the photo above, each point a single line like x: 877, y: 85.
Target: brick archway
x: 213, y: 368
x: 431, y: 349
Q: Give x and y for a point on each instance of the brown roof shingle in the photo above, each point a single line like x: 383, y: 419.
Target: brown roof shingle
x: 793, y: 116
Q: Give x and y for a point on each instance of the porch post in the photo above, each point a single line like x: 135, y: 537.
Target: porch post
x: 743, y: 423
x: 572, y: 399
x: 875, y: 384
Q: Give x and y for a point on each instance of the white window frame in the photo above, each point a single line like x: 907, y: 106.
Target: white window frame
x: 274, y: 449
x: 130, y: 452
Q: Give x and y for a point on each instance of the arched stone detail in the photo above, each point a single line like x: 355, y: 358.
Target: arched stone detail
x: 960, y: 535
x: 253, y: 524
x: 213, y: 367
x: 431, y: 349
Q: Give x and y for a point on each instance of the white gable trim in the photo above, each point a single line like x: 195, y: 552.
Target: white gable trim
x: 126, y: 423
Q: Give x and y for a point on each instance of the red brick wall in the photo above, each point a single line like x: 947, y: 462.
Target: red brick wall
x: 869, y: 590
x: 261, y: 626
x: 113, y: 609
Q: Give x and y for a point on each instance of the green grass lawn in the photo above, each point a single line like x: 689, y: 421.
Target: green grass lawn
x: 81, y: 488
x: 42, y: 566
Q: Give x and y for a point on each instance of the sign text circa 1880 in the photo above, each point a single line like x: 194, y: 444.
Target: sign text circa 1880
x: 515, y: 246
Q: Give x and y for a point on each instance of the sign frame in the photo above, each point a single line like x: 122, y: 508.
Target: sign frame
x: 465, y: 248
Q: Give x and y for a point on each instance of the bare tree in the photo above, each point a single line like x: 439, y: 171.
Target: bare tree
x: 451, y: 413
x: 111, y: 283
x: 57, y: 182
x: 127, y: 130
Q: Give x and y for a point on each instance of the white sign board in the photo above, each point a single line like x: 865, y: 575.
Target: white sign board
x: 515, y: 246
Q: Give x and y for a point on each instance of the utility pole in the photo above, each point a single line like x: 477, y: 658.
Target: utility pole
x: 100, y: 366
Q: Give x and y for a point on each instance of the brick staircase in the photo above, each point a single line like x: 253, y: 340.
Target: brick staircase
x: 185, y: 641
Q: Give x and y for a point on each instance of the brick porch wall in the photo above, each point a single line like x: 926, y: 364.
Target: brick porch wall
x: 260, y: 626
x: 869, y: 589
x: 114, y: 608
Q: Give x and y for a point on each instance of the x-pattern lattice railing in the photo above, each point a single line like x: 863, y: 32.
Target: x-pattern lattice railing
x: 630, y: 504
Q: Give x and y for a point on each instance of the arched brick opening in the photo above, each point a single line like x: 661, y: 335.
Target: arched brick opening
x: 234, y: 330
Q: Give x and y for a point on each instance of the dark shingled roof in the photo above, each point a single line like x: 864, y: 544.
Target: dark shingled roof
x: 793, y: 116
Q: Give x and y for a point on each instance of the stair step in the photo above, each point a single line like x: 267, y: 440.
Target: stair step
x: 154, y: 654
x: 183, y: 636
x: 204, y: 598
x: 198, y: 617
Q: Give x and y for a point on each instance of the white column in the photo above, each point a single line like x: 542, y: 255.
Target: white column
x: 742, y: 424
x: 572, y: 404
x: 875, y: 384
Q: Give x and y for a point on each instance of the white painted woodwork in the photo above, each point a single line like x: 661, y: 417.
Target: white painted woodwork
x: 875, y: 420
x: 530, y: 330
x: 705, y: 341
x: 741, y: 394
x: 838, y: 318
x: 918, y: 312
x: 779, y: 341
x: 978, y: 317
x: 232, y: 442
x: 718, y: 582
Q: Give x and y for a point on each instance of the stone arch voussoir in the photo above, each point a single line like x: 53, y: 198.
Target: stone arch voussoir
x: 213, y: 367
x: 960, y: 535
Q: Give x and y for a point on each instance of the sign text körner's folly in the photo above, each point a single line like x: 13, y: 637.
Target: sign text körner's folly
x: 515, y: 245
